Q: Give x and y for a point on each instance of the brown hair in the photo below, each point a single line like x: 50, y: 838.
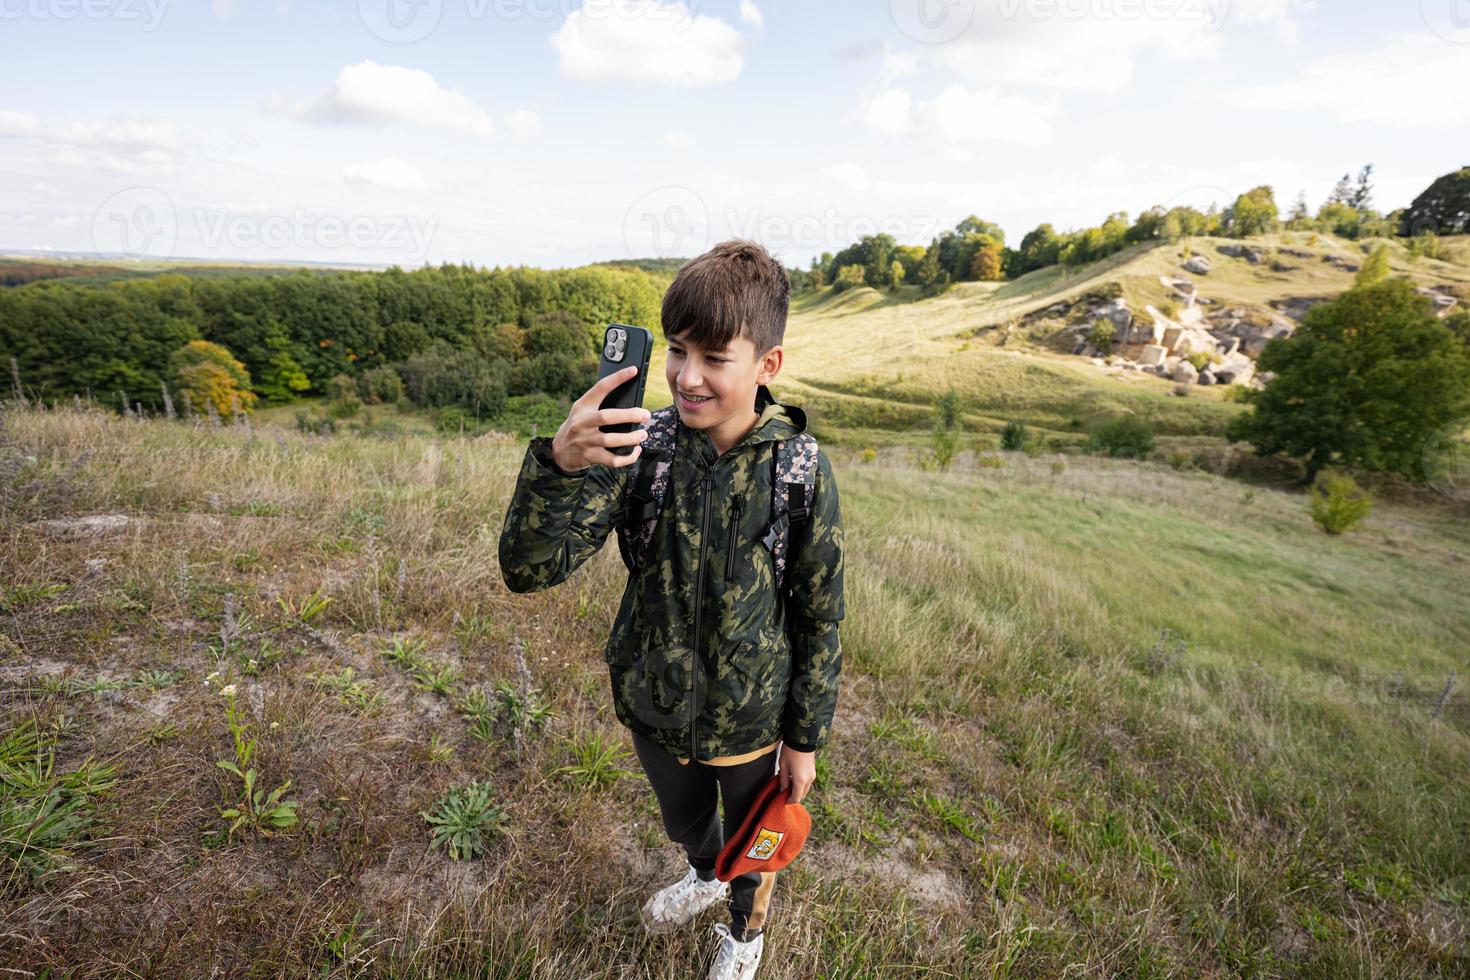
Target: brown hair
x: 736, y: 288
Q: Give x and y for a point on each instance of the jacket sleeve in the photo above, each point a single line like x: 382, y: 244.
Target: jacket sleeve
x: 556, y: 520
x: 814, y: 610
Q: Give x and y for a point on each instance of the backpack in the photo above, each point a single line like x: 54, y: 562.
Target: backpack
x: 793, y: 476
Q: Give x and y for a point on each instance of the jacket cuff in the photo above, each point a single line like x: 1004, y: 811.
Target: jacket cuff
x: 800, y: 746
x: 540, y: 467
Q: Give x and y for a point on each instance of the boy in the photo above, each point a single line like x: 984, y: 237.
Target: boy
x: 721, y: 677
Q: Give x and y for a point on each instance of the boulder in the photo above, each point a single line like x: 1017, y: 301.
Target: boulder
x: 1172, y: 333
x: 1250, y: 253
x: 1191, y: 315
x: 1153, y: 355
x: 1184, y: 373
x: 1199, y: 265
x: 1234, y: 368
x: 1207, y: 377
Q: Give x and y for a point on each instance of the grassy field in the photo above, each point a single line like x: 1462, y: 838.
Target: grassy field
x: 1099, y: 718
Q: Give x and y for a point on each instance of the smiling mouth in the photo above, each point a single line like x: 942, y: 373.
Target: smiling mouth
x: 695, y: 399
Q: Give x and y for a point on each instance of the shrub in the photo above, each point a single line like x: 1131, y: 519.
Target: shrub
x: 1125, y: 436
x: 210, y: 373
x: 342, y: 396
x: 847, y: 277
x: 1179, y: 459
x: 1013, y: 436
x: 1103, y: 335
x: 1199, y: 359
x: 869, y: 454
x: 445, y: 376
x: 1338, y: 503
x: 380, y: 386
x: 946, y: 444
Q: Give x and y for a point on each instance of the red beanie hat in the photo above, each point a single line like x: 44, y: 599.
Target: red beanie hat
x: 770, y: 836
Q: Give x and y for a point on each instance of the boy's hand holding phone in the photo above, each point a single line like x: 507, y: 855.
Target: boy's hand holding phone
x: 581, y: 443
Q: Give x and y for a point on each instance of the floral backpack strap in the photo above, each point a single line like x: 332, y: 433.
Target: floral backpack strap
x: 646, y: 487
x: 793, y: 478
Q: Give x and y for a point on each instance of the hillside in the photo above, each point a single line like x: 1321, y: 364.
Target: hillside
x: 876, y: 361
x: 1102, y: 719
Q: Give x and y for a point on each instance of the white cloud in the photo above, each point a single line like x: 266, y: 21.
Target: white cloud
x: 890, y: 112
x: 389, y: 172
x: 751, y: 14
x: 132, y: 135
x: 647, y: 41
x: 368, y: 92
x: 13, y: 123
x: 967, y: 115
x: 523, y: 123
x: 1395, y: 85
x: 1091, y: 45
x: 848, y: 174
x: 678, y: 141
x: 225, y: 8
x: 1108, y: 168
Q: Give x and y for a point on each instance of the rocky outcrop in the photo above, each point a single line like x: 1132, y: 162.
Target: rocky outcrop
x: 1199, y: 265
x: 1251, y: 253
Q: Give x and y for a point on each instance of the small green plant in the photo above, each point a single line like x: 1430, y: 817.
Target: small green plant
x: 465, y: 820
x: 595, y: 766
x: 1199, y: 359
x: 1123, y: 436
x: 476, y: 627
x: 1338, y: 503
x: 406, y: 651
x: 45, y: 816
x: 348, y: 944
x: 950, y: 815
x: 352, y: 691
x: 439, y: 751
x: 306, y: 609
x: 1013, y: 436
x: 1180, y: 460
x: 989, y: 461
x: 155, y: 680
x: 1102, y: 336
x: 265, y: 812
x: 946, y: 444
x: 869, y: 454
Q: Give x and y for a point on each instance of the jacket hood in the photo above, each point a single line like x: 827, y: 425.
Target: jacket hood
x: 776, y: 421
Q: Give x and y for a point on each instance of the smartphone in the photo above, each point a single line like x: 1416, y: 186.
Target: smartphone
x: 623, y: 345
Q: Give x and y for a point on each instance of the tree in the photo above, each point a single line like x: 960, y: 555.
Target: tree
x: 1375, y: 268
x: 895, y: 273
x: 1254, y: 213
x: 975, y: 226
x: 1040, y: 248
x: 929, y: 270
x: 1342, y: 193
x: 1300, y: 218
x: 210, y: 373
x: 1362, y: 192
x: 1442, y: 209
x: 1365, y: 380
x: 848, y: 276
x: 986, y: 265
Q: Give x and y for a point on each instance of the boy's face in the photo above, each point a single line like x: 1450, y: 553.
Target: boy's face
x: 728, y: 377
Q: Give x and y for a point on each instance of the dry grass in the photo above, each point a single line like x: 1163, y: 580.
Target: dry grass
x: 1028, y: 778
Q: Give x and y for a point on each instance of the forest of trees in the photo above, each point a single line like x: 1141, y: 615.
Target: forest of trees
x: 451, y: 335
x: 976, y: 250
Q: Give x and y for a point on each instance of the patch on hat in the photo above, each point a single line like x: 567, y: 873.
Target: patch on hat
x: 766, y: 842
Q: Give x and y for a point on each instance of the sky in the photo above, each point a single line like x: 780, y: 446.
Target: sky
x: 556, y: 133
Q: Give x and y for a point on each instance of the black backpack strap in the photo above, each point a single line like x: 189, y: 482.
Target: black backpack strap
x: 646, y: 488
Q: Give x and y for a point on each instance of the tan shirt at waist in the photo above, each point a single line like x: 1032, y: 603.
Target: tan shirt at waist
x: 735, y: 760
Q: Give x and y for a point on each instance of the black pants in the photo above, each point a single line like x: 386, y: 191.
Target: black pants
x: 686, y: 797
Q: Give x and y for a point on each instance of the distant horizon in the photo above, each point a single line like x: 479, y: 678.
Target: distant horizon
x: 561, y: 134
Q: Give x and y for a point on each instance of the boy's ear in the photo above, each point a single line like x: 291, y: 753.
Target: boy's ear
x: 770, y: 365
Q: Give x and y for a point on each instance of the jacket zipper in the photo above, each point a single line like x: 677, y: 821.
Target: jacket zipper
x: 706, y: 484
x: 730, y: 544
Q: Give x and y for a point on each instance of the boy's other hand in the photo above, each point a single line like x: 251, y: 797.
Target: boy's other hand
x: 797, y: 771
x: 580, y: 443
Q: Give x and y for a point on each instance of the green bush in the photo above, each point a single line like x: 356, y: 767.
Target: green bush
x: 1338, y: 503
x: 379, y: 386
x: 521, y: 412
x: 1103, y: 335
x: 1125, y: 437
x: 1013, y: 436
x: 1199, y: 359
x: 445, y: 375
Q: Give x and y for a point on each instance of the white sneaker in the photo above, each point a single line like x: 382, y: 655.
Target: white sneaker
x: 680, y: 902
x: 735, y: 960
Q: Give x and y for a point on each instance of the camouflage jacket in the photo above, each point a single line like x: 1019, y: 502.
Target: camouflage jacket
x: 705, y: 657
